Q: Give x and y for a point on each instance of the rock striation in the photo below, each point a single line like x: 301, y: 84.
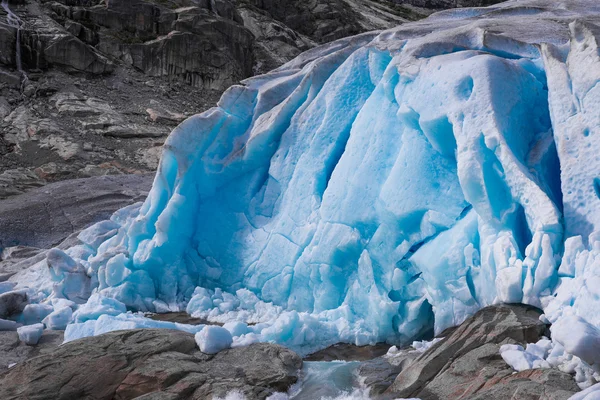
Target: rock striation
x: 466, y: 364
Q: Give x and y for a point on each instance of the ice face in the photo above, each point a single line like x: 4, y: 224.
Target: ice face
x: 378, y: 188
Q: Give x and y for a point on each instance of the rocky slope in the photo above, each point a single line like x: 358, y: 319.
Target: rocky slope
x: 466, y: 364
x: 95, y: 86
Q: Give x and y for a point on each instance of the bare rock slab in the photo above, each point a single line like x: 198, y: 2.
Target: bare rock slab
x: 467, y: 363
x: 148, y: 364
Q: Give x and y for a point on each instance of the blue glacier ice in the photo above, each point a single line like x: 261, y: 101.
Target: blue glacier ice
x: 382, y: 187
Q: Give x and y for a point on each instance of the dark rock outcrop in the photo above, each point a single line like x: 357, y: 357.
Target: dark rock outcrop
x: 146, y: 363
x: 348, y: 352
x: 327, y: 20
x: 467, y: 362
x: 93, y: 68
x: 12, y: 303
x: 208, y: 44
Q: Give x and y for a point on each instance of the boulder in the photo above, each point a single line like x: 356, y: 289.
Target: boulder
x: 379, y: 373
x: 467, y: 362
x: 150, y: 363
x: 12, y: 303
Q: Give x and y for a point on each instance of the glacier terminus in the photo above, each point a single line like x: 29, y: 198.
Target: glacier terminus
x: 380, y: 188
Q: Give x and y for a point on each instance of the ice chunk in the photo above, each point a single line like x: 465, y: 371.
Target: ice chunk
x: 372, y: 190
x: 6, y: 287
x: 212, y: 339
x: 591, y: 393
x: 99, y: 233
x: 578, y: 337
x: 515, y: 356
x: 8, y: 325
x: 424, y: 345
x: 108, y: 323
x: 35, y: 313
x: 236, y: 328
x: 58, y: 319
x: 71, y: 280
x: 96, y: 306
x: 30, y: 334
x: 549, y: 354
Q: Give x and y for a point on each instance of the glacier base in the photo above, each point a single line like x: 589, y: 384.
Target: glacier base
x: 380, y: 188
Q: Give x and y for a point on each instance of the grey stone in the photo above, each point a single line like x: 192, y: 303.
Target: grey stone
x: 16, y: 181
x: 533, y: 384
x: 12, y: 303
x: 348, y: 352
x: 379, y: 373
x: 149, y: 363
x: 159, y: 114
x: 78, y: 106
x: 44, y: 217
x: 5, y: 108
x: 467, y: 362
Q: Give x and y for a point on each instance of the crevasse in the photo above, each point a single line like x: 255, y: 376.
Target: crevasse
x: 380, y: 188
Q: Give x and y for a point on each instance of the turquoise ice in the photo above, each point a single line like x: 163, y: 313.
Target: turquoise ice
x: 380, y: 188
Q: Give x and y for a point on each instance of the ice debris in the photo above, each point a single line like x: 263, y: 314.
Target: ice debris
x: 420, y: 346
x: 377, y: 188
x: 591, y: 393
x: 30, y: 334
x: 212, y: 339
x: 550, y: 354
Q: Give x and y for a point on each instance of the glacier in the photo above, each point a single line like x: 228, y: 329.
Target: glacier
x: 380, y: 188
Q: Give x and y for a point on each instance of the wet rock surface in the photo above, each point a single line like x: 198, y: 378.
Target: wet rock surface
x: 181, y: 318
x: 148, y: 363
x: 467, y: 362
x: 378, y: 374
x: 349, y: 352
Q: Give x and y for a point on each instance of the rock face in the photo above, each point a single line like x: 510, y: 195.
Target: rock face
x: 44, y: 217
x: 327, y: 20
x: 104, y: 82
x: 349, y: 352
x: 467, y: 363
x: 149, y: 364
x: 208, y: 44
x: 53, y: 215
x: 379, y: 373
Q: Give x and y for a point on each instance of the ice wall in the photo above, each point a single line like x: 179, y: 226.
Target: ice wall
x: 376, y: 188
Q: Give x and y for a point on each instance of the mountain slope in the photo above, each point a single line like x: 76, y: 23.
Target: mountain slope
x: 104, y: 82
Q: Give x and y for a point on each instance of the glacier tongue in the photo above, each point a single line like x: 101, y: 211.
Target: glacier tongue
x: 378, y: 188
